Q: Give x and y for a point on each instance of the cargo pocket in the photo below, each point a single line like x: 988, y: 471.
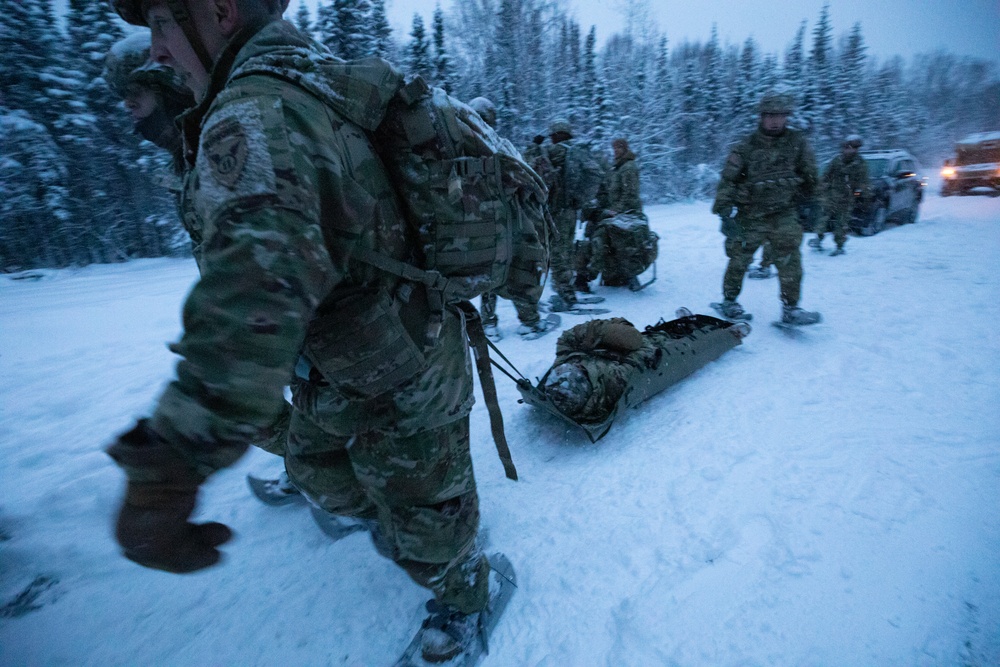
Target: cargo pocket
x: 360, y: 346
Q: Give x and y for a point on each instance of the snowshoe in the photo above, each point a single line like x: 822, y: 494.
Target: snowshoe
x: 759, y: 272
x: 338, y: 527
x: 539, y: 328
x: 558, y: 305
x: 816, y: 243
x: 462, y: 639
x: 838, y: 251
x: 731, y: 310
x: 492, y: 332
x: 275, y: 492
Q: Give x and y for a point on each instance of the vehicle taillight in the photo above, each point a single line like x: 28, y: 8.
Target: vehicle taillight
x: 948, y: 172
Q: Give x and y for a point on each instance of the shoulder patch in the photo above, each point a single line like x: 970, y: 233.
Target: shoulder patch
x: 225, y: 146
x: 236, y: 160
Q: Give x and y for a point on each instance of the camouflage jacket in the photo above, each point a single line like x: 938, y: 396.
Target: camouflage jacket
x: 281, y: 187
x: 841, y: 179
x: 620, y: 190
x: 765, y: 176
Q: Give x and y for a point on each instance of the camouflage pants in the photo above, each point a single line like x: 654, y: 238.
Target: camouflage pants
x: 836, y: 223
x: 527, y: 313
x: 784, y: 234
x: 561, y: 253
x: 766, y: 258
x: 420, y: 488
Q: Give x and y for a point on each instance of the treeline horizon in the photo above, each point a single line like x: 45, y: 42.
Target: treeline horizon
x: 79, y: 187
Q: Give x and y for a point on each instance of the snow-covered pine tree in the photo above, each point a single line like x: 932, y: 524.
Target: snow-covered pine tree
x: 379, y: 30
x: 303, y: 21
x: 443, y: 74
x: 418, y: 56
x: 793, y: 77
x: 851, y: 67
x: 822, y: 96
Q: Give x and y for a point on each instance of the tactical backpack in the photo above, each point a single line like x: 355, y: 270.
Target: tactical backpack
x: 631, y: 248
x: 478, y: 211
x: 478, y: 208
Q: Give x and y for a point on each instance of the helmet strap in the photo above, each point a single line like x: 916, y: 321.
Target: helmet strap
x: 180, y: 12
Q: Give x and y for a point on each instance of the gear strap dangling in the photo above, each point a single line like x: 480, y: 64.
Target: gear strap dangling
x: 478, y: 340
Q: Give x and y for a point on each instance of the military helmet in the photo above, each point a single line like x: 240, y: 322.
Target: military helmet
x: 130, y: 11
x: 777, y: 102
x: 127, y: 63
x: 486, y: 109
x: 560, y: 126
x: 853, y: 140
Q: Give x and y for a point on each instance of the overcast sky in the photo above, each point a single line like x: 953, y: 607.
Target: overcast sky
x: 889, y: 27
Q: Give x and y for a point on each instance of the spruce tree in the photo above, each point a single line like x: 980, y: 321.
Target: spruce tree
x: 380, y: 43
x: 302, y: 19
x: 418, y: 58
x: 442, y: 61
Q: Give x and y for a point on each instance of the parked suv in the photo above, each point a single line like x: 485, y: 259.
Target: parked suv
x: 976, y: 165
x: 897, y: 190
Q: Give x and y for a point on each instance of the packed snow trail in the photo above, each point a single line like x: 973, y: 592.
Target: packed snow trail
x: 829, y: 499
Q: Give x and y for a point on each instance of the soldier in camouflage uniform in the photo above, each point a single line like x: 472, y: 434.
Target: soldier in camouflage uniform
x: 566, y: 197
x: 618, y: 193
x: 283, y: 188
x: 764, y: 179
x: 153, y: 95
x: 527, y: 310
x: 845, y: 180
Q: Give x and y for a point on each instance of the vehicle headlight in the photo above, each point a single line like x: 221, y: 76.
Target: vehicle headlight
x: 948, y: 172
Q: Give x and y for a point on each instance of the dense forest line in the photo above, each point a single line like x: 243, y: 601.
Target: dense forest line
x: 77, y: 187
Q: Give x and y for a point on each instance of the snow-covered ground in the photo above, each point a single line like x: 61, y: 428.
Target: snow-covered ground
x: 826, y: 499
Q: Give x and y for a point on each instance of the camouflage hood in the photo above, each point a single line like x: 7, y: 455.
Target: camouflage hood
x: 359, y: 90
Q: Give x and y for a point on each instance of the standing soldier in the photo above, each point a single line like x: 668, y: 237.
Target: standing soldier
x: 575, y: 176
x: 845, y: 180
x: 764, y: 179
x: 286, y: 191
x: 532, y: 325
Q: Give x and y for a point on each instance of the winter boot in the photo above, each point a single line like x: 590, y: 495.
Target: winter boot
x: 759, y: 272
x: 581, y: 283
x: 447, y: 632
x: 492, y: 329
x: 275, y: 492
x: 634, y: 284
x: 797, y: 317
x: 816, y: 243
x: 838, y: 251
x: 732, y: 310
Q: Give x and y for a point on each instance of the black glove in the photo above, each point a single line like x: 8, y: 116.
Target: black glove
x: 152, y: 527
x: 730, y: 228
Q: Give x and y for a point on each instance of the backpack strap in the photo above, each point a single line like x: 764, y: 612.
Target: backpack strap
x: 440, y: 290
x: 477, y: 337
